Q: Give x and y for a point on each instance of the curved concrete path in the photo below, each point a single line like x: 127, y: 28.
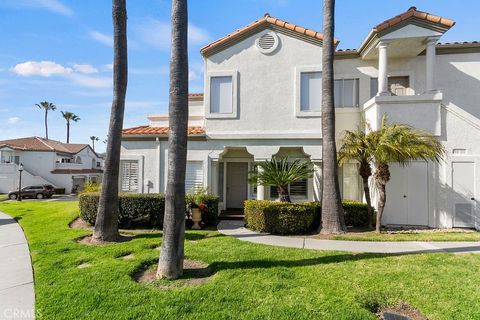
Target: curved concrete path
x: 237, y: 230
x: 17, y: 297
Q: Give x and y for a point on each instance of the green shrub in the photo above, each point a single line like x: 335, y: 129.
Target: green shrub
x: 144, y: 210
x: 91, y: 187
x: 297, y: 218
x: 281, y: 217
x: 356, y: 213
x: 135, y: 210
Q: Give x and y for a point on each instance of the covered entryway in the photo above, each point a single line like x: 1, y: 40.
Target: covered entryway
x: 237, y: 184
x: 463, y: 184
x: 407, y: 195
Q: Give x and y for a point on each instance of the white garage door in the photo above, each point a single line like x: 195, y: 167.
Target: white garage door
x: 407, y: 195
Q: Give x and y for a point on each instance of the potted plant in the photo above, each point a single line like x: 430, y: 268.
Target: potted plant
x: 197, y: 207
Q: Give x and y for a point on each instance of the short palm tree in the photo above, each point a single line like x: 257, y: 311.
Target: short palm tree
x: 357, y: 146
x: 69, y: 116
x: 280, y: 173
x: 94, y: 138
x: 46, y: 106
x: 400, y: 143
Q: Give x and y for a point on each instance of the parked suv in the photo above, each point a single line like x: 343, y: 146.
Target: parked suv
x: 38, y: 192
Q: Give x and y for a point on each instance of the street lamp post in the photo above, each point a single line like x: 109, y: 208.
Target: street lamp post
x: 20, y: 169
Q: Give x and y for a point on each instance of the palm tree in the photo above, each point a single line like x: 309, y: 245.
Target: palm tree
x: 46, y: 106
x: 106, y: 223
x: 400, y: 143
x: 170, y: 264
x: 357, y: 146
x: 94, y: 138
x: 333, y: 220
x: 280, y: 173
x: 69, y: 116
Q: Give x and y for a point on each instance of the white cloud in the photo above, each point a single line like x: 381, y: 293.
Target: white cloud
x: 157, y: 34
x: 52, y: 5
x: 81, y: 74
x: 13, y: 120
x: 84, y: 68
x: 102, y: 38
x: 107, y: 67
x: 40, y: 68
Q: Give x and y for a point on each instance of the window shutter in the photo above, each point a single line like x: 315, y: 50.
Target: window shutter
x: 129, y: 176
x: 194, y: 176
x: 299, y: 189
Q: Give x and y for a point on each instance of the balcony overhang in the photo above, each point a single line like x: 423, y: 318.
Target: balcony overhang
x: 420, y: 111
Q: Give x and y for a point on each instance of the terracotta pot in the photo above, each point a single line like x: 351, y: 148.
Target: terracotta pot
x: 196, y: 218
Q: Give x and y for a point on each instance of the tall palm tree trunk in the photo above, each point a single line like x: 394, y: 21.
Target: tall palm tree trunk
x: 170, y: 263
x: 93, y: 145
x: 365, y: 173
x: 382, y: 176
x: 333, y: 220
x: 68, y: 131
x: 106, y: 224
x: 46, y: 124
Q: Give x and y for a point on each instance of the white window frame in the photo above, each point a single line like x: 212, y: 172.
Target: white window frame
x: 202, y: 183
x: 356, y: 85
x: 298, y: 92
x: 212, y: 115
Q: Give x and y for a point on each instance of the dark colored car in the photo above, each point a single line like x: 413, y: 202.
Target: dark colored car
x: 35, y: 192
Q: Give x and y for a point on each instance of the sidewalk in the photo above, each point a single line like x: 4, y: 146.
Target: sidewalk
x: 17, y: 297
x: 235, y: 229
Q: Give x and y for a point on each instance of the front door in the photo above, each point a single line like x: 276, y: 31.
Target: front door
x: 463, y: 183
x: 237, y: 175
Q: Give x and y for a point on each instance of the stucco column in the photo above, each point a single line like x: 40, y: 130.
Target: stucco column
x: 260, y: 188
x: 383, y: 68
x: 430, y: 64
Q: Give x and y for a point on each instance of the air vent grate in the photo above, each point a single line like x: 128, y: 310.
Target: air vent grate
x: 267, y: 43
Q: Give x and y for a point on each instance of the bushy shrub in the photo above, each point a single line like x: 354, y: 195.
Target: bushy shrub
x: 135, y: 210
x: 281, y: 217
x: 297, y: 218
x: 356, y: 213
x: 144, y: 210
x: 91, y: 187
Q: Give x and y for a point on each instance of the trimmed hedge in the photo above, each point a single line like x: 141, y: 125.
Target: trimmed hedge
x: 143, y: 210
x: 136, y: 210
x: 281, y: 217
x: 297, y: 218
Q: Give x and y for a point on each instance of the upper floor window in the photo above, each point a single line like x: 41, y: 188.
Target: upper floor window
x: 221, y: 95
x: 398, y: 86
x: 310, y: 91
x: 346, y: 93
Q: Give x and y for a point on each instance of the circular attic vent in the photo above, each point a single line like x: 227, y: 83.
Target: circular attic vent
x: 267, y: 43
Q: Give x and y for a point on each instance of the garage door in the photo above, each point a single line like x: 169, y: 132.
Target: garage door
x: 407, y: 195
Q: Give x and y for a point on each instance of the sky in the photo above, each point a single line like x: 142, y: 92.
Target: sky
x: 61, y: 51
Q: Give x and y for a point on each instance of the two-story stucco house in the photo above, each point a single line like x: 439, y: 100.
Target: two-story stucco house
x: 46, y: 161
x: 262, y: 98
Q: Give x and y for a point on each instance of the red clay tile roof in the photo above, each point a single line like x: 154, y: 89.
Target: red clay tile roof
x: 195, y: 95
x: 41, y: 144
x: 267, y: 20
x: 76, y: 171
x: 148, y: 130
x: 413, y: 12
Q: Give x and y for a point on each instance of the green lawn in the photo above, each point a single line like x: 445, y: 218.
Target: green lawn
x: 451, y: 235
x: 251, y: 281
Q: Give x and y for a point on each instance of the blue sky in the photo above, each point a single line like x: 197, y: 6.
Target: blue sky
x: 61, y: 51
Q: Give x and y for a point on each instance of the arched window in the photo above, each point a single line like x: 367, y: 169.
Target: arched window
x: 78, y: 160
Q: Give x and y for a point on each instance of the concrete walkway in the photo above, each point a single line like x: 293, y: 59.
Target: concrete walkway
x: 17, y: 297
x: 237, y: 230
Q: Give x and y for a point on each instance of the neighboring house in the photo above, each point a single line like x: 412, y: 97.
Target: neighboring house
x: 45, y: 161
x: 262, y: 98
